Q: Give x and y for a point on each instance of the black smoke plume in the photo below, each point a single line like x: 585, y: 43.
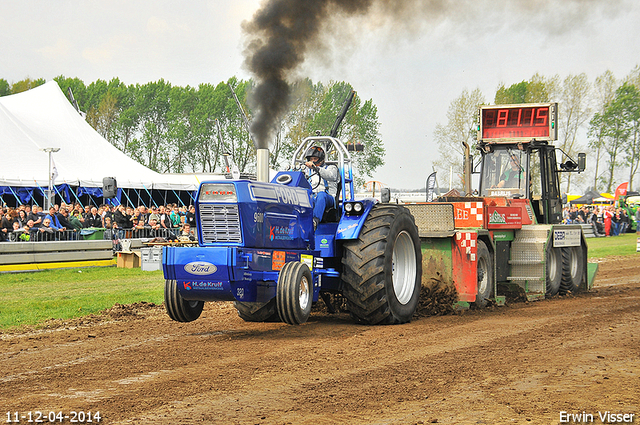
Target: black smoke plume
x: 282, y: 33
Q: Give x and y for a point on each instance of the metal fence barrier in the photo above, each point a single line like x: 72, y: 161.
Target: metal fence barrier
x: 115, y: 235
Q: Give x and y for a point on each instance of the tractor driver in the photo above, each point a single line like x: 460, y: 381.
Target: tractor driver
x: 327, y: 190
x: 512, y: 176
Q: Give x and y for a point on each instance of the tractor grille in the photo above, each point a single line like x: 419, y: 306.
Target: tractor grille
x: 220, y: 223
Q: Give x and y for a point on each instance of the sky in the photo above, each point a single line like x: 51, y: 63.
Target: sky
x: 412, y: 65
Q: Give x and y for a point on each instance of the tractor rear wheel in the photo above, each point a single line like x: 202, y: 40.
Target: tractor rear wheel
x: 178, y: 308
x: 485, y: 276
x: 554, y: 270
x: 257, y: 312
x: 294, y: 294
x: 572, y: 269
x: 382, y: 269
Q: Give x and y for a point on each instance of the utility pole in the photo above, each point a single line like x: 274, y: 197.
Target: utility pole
x: 48, y: 197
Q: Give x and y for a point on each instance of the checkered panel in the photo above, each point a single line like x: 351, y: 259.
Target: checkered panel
x: 475, y: 210
x: 469, y: 214
x: 468, y: 243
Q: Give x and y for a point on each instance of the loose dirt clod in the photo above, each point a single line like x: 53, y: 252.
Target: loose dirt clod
x: 129, y: 310
x: 437, y: 298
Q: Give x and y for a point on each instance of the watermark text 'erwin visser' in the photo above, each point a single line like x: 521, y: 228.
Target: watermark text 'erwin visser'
x: 605, y: 417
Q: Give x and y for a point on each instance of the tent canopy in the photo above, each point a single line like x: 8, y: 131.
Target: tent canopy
x: 43, y: 118
x: 586, y: 199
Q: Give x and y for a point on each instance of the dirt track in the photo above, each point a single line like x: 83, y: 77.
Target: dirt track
x: 522, y: 363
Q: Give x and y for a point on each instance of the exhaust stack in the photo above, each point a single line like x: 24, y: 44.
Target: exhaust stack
x: 262, y: 165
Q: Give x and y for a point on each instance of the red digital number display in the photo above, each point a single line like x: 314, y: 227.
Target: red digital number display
x: 530, y: 122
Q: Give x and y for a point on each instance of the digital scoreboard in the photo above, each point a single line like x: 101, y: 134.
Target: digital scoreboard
x: 522, y: 122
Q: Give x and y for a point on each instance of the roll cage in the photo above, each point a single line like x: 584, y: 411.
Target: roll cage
x: 336, y: 154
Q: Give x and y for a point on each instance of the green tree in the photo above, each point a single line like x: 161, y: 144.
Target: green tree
x: 514, y: 94
x: 180, y: 134
x: 619, y: 127
x: 604, y: 91
x: 107, y: 115
x: 574, y: 111
x: 360, y: 125
x: 204, y: 126
x: 460, y: 128
x: 634, y: 77
x: 628, y: 97
x: 180, y: 129
x: 537, y: 90
x: 152, y: 105
x: 5, y: 88
x: 234, y: 131
x: 315, y: 108
x: 306, y: 102
x: 77, y: 87
x: 126, y: 131
x: 26, y: 84
x: 542, y: 89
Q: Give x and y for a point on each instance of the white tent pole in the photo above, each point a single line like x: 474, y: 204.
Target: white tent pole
x: 49, y: 187
x: 48, y: 197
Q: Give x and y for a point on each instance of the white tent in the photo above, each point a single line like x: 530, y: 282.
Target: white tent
x: 43, y: 118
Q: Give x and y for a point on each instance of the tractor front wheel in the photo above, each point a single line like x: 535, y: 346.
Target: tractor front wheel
x: 572, y: 269
x: 294, y: 295
x: 554, y: 270
x: 382, y: 269
x: 178, y: 308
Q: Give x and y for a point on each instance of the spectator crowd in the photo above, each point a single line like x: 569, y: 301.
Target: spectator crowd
x: 606, y: 220
x: 69, y: 221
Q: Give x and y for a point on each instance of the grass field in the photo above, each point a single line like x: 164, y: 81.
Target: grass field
x: 615, y: 245
x: 32, y: 298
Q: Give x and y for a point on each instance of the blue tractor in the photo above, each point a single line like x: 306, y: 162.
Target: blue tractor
x: 257, y: 246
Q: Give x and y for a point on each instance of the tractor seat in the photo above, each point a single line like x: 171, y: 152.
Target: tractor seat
x: 333, y: 214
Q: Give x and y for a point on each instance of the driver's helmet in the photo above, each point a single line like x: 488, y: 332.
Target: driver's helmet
x: 315, y: 151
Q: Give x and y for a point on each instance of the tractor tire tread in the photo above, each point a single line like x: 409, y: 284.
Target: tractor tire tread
x: 364, y: 265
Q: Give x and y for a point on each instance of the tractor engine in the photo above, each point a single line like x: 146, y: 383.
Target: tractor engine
x: 246, y: 229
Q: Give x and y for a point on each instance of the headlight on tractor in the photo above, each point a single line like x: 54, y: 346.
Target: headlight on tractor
x: 353, y: 208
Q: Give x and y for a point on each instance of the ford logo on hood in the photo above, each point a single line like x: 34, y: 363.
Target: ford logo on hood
x: 200, y: 268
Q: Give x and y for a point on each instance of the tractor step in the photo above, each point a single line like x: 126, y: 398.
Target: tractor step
x: 524, y: 278
x: 524, y: 262
x: 528, y: 259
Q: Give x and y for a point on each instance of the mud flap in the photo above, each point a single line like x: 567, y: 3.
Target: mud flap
x: 592, y: 270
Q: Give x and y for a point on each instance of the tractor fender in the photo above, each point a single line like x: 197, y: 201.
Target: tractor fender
x: 350, y: 226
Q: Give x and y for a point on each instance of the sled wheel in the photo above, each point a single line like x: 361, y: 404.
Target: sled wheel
x: 572, y: 269
x: 382, y: 269
x: 485, y: 276
x: 178, y: 308
x: 257, y: 312
x: 294, y: 295
x: 554, y: 270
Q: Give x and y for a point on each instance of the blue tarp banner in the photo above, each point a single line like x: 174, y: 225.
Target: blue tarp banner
x: 97, y: 192
x: 63, y: 191
x: 93, y: 191
x: 25, y: 194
